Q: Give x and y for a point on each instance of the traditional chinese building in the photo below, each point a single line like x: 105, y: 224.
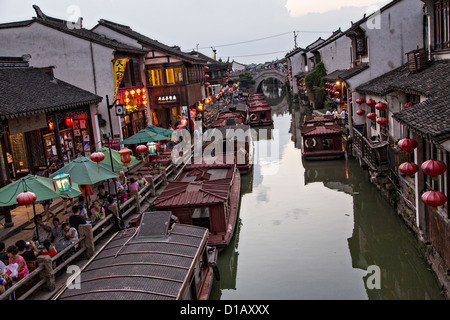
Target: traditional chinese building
x: 174, y: 78
x: 84, y: 59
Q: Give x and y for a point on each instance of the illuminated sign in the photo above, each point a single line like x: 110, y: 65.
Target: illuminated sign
x: 167, y: 99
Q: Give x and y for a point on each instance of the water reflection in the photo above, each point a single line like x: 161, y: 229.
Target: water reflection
x: 312, y: 230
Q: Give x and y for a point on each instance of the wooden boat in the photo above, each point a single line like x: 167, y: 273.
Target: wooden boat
x: 235, y: 137
x: 205, y: 195
x: 322, y: 139
x: 259, y: 111
x: 155, y: 261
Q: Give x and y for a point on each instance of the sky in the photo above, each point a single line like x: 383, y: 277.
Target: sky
x: 246, y: 31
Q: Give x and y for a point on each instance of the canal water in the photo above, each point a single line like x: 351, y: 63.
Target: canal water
x: 317, y: 230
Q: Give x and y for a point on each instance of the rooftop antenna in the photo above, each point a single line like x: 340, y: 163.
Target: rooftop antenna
x: 214, y: 51
x: 295, y: 39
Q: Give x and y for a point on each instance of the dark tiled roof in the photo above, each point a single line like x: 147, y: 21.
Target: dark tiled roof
x: 135, y: 267
x: 334, y: 75
x: 212, y: 64
x: 349, y: 73
x: 429, y: 82
x: 148, y: 42
x: 430, y: 119
x: 26, y: 91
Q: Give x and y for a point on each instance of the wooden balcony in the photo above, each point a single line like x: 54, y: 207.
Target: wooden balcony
x: 373, y: 152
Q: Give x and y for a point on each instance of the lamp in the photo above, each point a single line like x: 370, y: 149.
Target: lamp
x: 125, y: 156
x: 62, y: 182
x: 151, y: 148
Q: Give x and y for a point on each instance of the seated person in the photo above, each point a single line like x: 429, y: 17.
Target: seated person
x: 44, y: 230
x: 49, y: 249
x: 133, y: 185
x: 97, y: 212
x: 102, y: 194
x: 28, y: 251
x: 70, y: 235
x: 76, y: 219
x: 141, y: 180
x: 56, y: 230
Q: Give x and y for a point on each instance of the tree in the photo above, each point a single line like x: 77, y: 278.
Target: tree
x: 245, y: 79
x: 315, y: 85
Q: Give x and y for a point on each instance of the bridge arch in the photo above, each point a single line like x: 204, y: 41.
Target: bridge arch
x: 263, y: 74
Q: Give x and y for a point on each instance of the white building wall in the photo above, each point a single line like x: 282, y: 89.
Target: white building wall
x: 337, y: 54
x: 77, y: 61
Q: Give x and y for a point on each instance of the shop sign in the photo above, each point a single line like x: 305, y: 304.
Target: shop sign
x: 167, y: 99
x: 28, y: 123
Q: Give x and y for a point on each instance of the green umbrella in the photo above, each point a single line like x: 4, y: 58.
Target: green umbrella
x: 42, y: 187
x: 155, y: 129
x: 144, y: 137
x: 84, y: 171
x: 117, y: 163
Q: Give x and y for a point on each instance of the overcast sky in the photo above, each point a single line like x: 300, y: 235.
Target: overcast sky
x: 224, y: 25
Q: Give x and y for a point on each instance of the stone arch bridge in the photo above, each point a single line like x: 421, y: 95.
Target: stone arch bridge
x: 262, y: 74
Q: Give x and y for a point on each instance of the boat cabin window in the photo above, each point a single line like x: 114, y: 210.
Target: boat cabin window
x: 263, y: 115
x: 327, y: 143
x: 200, y: 217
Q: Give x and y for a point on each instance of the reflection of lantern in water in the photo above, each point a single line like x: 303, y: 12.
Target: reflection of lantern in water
x: 62, y: 182
x: 125, y: 156
x: 151, y: 148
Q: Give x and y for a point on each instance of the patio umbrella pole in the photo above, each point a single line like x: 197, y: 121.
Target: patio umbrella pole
x: 35, y: 224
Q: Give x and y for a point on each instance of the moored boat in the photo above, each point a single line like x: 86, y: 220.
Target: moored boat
x: 322, y: 139
x: 158, y: 260
x: 205, y: 195
x: 259, y: 111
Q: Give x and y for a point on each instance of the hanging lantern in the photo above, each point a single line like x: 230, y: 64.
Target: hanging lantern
x: 206, y: 68
x: 200, y: 107
x: 98, y: 157
x: 434, y: 199
x: 183, y: 121
x: 336, y: 93
x: 371, y: 116
x: 382, y: 121
x: 62, y: 182
x: 360, y: 101
x: 69, y: 121
x: 207, y: 84
x: 50, y: 125
x: 409, y: 169
x: 409, y: 104
x: 26, y: 198
x: 371, y: 103
x: 141, y: 149
x: 125, y: 156
x: 407, y: 144
x: 434, y: 168
x: 381, y: 106
x: 360, y: 112
x: 350, y: 99
x: 151, y: 148
x: 206, y: 76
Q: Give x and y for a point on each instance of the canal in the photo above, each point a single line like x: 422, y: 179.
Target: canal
x: 317, y: 230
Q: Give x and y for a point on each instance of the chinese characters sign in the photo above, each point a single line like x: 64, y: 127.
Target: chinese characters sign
x: 28, y: 123
x: 167, y: 99
x: 119, y: 70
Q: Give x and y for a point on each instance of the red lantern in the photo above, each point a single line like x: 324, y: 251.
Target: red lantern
x: 125, y: 156
x: 382, y: 121
x: 183, y: 121
x: 97, y: 157
x: 371, y: 103
x: 206, y: 76
x: 26, y: 198
x: 350, y: 99
x: 408, y: 168
x: 434, y: 167
x: 207, y: 84
x: 407, y: 144
x: 434, y: 199
x: 381, y: 106
x: 371, y: 116
x: 206, y: 68
x: 360, y: 112
x: 409, y: 104
x: 50, y: 125
x: 141, y: 149
x: 360, y: 101
x: 69, y: 121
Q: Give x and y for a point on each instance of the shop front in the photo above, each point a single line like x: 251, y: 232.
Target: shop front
x: 31, y: 141
x: 134, y: 117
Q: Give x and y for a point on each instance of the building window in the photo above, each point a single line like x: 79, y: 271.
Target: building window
x: 154, y: 77
x: 442, y: 24
x: 174, y: 75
